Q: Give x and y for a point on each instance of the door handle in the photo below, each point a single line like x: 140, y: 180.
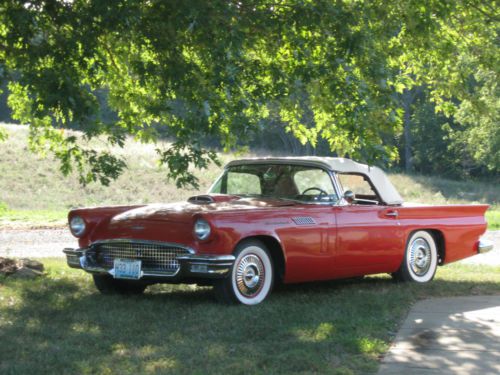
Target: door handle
x: 392, y: 213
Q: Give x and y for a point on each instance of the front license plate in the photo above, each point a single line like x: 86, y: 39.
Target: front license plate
x: 127, y: 269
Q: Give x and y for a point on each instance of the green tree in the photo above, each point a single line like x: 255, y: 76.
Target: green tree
x: 218, y: 68
x: 459, y: 66
x: 440, y: 145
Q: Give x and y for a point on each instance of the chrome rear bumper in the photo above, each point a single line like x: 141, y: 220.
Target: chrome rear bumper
x: 191, y: 265
x: 484, y: 246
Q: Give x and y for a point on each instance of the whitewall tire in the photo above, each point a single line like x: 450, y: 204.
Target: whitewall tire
x: 251, y: 278
x: 420, y: 259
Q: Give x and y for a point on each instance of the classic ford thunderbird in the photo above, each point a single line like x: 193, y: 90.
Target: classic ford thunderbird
x: 274, y: 220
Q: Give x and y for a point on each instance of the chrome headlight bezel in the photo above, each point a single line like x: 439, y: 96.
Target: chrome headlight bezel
x: 77, y: 226
x: 201, y: 229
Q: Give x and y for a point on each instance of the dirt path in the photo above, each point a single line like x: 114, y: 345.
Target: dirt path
x: 43, y: 243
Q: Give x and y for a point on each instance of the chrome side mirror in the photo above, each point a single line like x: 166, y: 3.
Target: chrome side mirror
x: 349, y: 196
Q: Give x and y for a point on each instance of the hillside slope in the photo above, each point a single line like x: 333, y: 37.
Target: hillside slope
x: 33, y: 189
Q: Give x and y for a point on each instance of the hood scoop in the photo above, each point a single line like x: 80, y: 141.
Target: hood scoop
x: 212, y: 198
x: 201, y: 199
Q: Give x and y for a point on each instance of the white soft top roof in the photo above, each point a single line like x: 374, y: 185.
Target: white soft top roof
x: 379, y: 179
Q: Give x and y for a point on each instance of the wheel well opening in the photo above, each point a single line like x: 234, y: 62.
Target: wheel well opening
x: 439, y: 238
x: 276, y: 253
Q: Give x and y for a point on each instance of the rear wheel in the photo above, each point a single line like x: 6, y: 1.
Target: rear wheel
x: 421, y: 259
x: 251, y: 278
x: 106, y: 284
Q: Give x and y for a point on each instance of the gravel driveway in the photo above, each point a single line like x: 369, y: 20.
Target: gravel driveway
x: 493, y: 257
x: 36, y: 243
x: 41, y: 243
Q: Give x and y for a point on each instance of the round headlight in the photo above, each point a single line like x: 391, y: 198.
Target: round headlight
x: 77, y: 226
x: 201, y: 229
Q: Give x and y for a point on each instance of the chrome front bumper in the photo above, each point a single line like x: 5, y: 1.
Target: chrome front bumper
x: 191, y: 265
x: 484, y: 246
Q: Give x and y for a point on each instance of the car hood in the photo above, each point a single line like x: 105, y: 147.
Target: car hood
x: 182, y: 212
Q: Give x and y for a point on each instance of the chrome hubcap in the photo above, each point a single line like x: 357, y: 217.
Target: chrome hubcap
x: 250, y: 275
x: 420, y: 256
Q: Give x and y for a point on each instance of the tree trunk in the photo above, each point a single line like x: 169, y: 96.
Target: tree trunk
x: 407, y: 135
x: 408, y: 98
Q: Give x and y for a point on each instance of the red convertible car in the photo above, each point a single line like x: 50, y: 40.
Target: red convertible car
x: 270, y: 220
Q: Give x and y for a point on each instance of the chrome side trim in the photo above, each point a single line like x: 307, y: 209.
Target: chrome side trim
x: 484, y: 246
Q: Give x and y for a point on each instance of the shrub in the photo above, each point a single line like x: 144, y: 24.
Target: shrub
x: 3, y: 207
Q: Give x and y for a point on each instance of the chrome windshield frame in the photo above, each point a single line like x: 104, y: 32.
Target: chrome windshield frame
x: 331, y: 174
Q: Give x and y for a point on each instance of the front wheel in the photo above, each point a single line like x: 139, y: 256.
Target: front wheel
x: 251, y: 278
x: 420, y: 260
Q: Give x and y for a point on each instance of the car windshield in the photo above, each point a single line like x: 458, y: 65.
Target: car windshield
x: 294, y: 182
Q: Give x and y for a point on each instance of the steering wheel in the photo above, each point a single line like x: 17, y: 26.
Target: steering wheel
x: 321, y: 191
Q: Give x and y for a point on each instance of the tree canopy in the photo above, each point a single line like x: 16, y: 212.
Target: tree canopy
x: 330, y: 70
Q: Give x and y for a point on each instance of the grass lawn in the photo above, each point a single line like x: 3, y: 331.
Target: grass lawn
x: 493, y: 218
x: 59, y: 324
x: 33, y: 218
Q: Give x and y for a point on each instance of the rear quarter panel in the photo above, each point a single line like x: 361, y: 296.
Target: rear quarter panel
x: 460, y: 225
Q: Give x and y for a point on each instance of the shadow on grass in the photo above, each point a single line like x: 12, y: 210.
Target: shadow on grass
x: 62, y: 325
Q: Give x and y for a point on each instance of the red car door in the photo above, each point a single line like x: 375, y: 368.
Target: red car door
x: 368, y: 239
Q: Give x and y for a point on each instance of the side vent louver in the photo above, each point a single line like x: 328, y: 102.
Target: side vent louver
x: 201, y: 199
x: 303, y: 220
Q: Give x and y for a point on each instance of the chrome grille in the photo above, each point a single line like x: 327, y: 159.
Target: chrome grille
x: 155, y: 257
